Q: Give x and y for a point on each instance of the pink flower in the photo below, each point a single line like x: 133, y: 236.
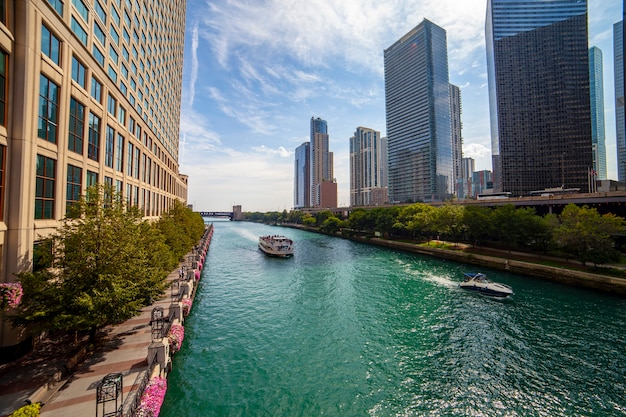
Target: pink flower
x: 152, y: 398
x: 10, y: 294
x: 175, y: 337
x: 186, y: 306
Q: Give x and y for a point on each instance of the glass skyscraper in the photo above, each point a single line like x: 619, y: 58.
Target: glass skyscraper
x: 596, y: 87
x: 538, y: 73
x: 418, y: 116
x: 302, y: 175
x: 618, y: 59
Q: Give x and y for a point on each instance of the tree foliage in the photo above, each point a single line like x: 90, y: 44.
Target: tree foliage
x: 586, y: 235
x: 106, y: 264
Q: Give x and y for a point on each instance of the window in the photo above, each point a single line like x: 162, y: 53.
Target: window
x: 82, y: 9
x: 98, y: 55
x: 126, y: 37
x: 79, y: 72
x: 123, y: 88
x: 93, y: 147
x: 100, y: 11
x: 77, y: 126
x: 125, y: 55
x: 114, y: 35
x: 119, y: 186
x: 3, y: 87
x: 109, y: 145
x: 136, y: 159
x: 74, y: 187
x: 113, y: 55
x: 119, y: 153
x: 112, y: 73
x: 129, y: 160
x: 50, y: 45
x: 2, y: 177
x: 121, y: 116
x: 97, y: 30
x: 115, y: 15
x: 111, y: 105
x: 78, y: 30
x: 96, y: 89
x: 129, y: 194
x: 57, y: 5
x: 92, y: 178
x: 48, y: 109
x: 124, y: 71
x: 44, y: 188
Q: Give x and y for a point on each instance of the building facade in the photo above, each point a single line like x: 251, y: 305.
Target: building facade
x: 468, y: 166
x: 367, y: 167
x: 457, y: 138
x: 538, y: 75
x: 596, y: 89
x: 302, y: 171
x: 321, y: 162
x: 618, y: 73
x: 418, y: 116
x: 90, y: 93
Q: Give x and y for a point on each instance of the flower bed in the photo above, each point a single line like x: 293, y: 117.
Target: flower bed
x: 152, y: 398
x: 176, y: 336
x: 186, y: 306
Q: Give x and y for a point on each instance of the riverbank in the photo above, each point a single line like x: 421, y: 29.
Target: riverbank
x: 128, y: 368
x: 504, y: 262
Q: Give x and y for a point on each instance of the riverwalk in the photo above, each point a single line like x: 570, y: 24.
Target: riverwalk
x: 69, y: 385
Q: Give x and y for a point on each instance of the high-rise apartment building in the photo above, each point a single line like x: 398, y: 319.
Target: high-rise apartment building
x: 321, y: 164
x: 90, y: 93
x: 302, y: 176
x: 620, y: 122
x: 367, y: 167
x: 418, y: 116
x: 457, y: 138
x: 596, y: 89
x: 538, y: 74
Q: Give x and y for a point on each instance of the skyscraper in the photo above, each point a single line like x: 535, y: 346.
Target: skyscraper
x: 302, y: 176
x: 418, y: 116
x: 538, y: 73
x: 596, y: 88
x: 321, y: 163
x: 457, y: 138
x: 620, y: 127
x: 367, y: 168
x: 89, y: 93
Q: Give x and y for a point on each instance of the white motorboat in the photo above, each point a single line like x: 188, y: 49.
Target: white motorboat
x: 478, y: 282
x: 275, y: 245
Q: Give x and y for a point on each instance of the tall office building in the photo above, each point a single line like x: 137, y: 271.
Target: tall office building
x: 89, y: 93
x: 538, y: 74
x: 418, y: 116
x: 618, y: 71
x: 321, y: 165
x: 302, y: 176
x: 457, y: 138
x: 596, y: 88
x: 468, y: 166
x: 367, y: 168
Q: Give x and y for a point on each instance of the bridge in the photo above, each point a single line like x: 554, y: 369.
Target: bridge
x: 222, y: 214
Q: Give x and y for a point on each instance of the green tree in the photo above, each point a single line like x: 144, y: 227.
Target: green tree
x: 448, y: 221
x: 478, y: 223
x: 181, y: 229
x: 101, y: 269
x: 332, y: 225
x: 586, y: 235
x: 417, y: 220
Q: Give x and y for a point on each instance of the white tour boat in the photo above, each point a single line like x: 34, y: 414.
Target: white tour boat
x: 274, y: 245
x: 478, y: 282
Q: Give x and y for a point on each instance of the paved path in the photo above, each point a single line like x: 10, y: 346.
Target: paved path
x: 125, y: 351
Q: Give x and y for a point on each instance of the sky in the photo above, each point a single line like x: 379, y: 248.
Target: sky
x: 256, y: 71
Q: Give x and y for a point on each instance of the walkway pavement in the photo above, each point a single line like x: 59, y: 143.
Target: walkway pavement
x: 124, y: 351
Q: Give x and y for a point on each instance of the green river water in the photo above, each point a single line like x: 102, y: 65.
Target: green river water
x: 348, y: 329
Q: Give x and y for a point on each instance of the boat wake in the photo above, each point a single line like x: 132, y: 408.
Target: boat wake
x: 429, y: 276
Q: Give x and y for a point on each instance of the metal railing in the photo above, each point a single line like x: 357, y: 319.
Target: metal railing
x: 133, y: 400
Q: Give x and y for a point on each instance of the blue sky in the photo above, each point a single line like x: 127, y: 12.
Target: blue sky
x: 256, y: 71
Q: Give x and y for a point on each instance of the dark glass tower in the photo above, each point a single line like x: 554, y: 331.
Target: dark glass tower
x: 538, y: 71
x: 417, y: 104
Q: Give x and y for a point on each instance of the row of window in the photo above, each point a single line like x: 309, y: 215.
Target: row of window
x: 152, y: 202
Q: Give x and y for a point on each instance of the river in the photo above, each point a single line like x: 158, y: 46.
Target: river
x: 348, y: 329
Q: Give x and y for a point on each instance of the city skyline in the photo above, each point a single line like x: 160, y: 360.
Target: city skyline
x: 251, y: 86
